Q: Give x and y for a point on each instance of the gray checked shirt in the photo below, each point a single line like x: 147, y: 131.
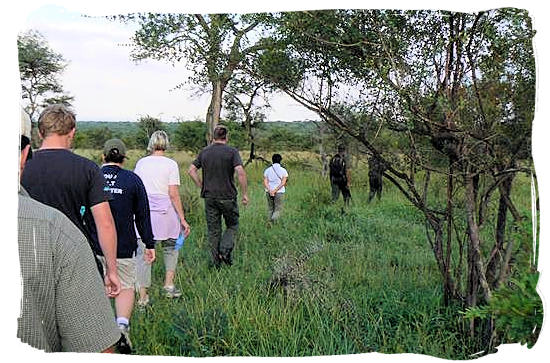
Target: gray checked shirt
x: 64, y: 306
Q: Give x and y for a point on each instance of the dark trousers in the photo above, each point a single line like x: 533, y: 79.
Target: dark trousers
x: 221, y: 245
x: 340, y: 186
x: 375, y: 183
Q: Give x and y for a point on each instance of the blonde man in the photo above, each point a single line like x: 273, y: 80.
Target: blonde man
x: 73, y: 185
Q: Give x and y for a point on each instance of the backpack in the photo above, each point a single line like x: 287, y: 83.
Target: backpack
x: 337, y: 167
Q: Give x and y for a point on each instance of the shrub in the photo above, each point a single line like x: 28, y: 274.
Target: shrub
x: 516, y: 309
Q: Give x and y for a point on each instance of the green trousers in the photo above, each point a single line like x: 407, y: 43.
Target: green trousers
x: 221, y: 244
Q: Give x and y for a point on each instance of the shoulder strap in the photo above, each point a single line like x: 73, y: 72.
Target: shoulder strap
x: 272, y: 167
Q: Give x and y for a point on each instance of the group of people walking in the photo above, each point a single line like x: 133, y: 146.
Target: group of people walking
x: 76, y: 219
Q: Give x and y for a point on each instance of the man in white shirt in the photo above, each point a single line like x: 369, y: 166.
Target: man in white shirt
x: 275, y: 178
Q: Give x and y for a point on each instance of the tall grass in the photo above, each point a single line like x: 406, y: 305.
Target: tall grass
x: 324, y: 280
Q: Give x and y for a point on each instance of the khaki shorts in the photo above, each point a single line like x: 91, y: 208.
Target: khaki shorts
x: 126, y: 268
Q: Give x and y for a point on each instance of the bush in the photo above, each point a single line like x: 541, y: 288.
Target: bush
x: 190, y: 135
x: 146, y: 126
x: 92, y: 139
x: 516, y: 309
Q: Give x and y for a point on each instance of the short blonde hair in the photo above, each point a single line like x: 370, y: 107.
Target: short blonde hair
x: 56, y: 119
x: 158, y: 141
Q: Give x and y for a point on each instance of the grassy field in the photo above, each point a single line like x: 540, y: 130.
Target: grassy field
x: 322, y: 281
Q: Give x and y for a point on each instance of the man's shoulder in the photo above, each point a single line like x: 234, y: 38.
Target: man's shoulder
x: 64, y: 158
x: 32, y: 209
x: 217, y: 149
x: 224, y: 147
x: 37, y: 214
x: 233, y: 149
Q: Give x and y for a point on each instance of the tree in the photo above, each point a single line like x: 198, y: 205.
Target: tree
x: 146, y: 126
x: 460, y: 104
x: 242, y: 105
x: 189, y: 135
x: 40, y: 68
x: 213, y: 46
x: 92, y: 138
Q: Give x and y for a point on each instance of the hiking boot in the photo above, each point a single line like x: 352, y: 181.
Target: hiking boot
x: 226, y: 259
x: 172, y: 292
x: 124, y: 344
x: 142, y: 303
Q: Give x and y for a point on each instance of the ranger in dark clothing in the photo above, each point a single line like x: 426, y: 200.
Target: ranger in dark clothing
x: 219, y: 162
x: 340, y: 176
x: 376, y: 170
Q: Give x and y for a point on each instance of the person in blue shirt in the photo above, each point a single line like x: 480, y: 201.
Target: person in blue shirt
x: 129, y: 206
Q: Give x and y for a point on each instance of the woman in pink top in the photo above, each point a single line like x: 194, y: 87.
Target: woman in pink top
x: 161, y: 178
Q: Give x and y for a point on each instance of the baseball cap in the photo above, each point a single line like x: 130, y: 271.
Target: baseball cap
x: 114, y: 144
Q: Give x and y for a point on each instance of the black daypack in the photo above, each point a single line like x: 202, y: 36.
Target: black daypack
x: 338, y: 167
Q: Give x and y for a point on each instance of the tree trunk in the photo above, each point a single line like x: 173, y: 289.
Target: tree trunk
x: 497, y: 254
x: 475, y: 268
x: 214, y: 110
x: 447, y: 286
x: 252, y: 155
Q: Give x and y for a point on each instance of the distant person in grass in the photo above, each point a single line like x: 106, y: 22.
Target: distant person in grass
x: 340, y: 178
x: 275, y: 178
x: 63, y: 306
x: 161, y: 178
x: 376, y: 171
x: 74, y: 185
x: 129, y: 205
x: 219, y: 162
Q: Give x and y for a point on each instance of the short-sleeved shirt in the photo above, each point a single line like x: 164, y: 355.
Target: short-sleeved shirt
x: 275, y: 174
x: 67, y: 182
x: 218, y: 162
x: 157, y: 173
x: 64, y: 306
x: 129, y: 203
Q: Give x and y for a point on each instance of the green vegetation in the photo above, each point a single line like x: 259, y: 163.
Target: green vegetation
x: 189, y: 135
x: 443, y: 102
x: 324, y: 280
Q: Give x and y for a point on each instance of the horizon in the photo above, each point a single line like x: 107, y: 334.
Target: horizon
x: 178, y: 121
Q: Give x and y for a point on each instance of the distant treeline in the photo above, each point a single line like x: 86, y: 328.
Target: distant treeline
x: 190, y: 135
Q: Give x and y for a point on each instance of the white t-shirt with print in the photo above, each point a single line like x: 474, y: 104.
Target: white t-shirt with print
x: 157, y: 173
x: 275, y: 174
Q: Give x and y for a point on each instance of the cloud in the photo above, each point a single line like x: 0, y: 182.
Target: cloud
x: 108, y: 85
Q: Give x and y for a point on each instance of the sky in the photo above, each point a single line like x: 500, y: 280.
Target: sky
x: 89, y: 48
x: 109, y: 86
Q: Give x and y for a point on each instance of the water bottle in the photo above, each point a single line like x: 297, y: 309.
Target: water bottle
x: 180, y: 241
